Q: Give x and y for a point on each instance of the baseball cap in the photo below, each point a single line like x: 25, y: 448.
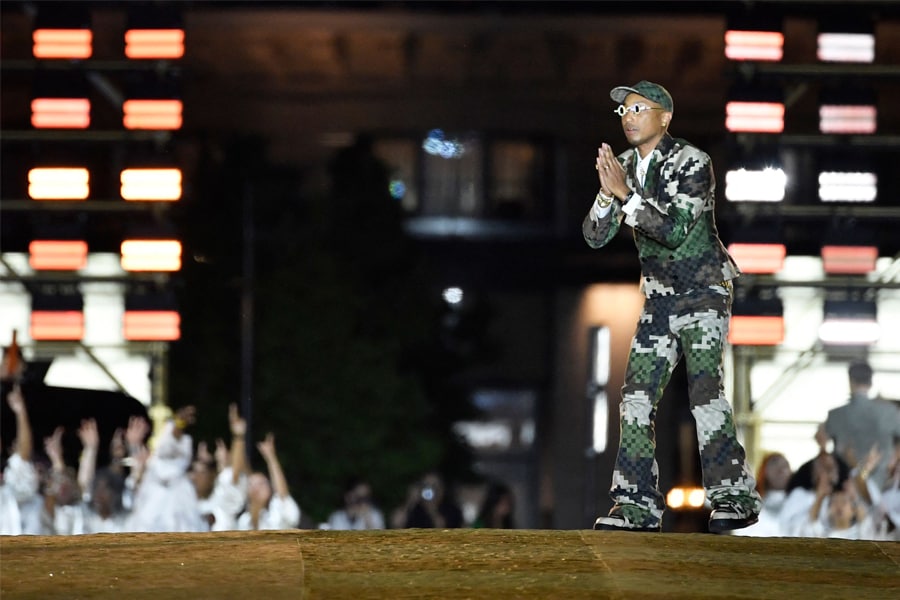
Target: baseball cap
x: 647, y: 89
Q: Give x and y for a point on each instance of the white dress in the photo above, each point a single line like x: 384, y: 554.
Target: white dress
x: 226, y: 500
x: 165, y: 499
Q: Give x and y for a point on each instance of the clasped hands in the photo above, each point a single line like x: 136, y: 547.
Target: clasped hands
x: 610, y: 173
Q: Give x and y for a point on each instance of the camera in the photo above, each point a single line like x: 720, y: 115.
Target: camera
x: 428, y: 493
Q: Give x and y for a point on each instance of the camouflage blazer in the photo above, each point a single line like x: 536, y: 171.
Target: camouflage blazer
x: 674, y: 225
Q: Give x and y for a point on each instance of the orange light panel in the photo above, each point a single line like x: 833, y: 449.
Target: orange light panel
x: 758, y: 258
x: 57, y: 255
x: 152, y: 325
x: 162, y: 185
x: 58, y: 183
x: 754, y: 45
x: 154, y: 43
x: 756, y: 330
x: 62, y: 43
x: 763, y: 117
x: 151, y: 255
x: 152, y: 114
x: 60, y: 113
x: 57, y: 325
x: 849, y: 260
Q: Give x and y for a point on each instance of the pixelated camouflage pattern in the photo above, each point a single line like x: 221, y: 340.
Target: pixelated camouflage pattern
x: 695, y: 326
x: 674, y: 226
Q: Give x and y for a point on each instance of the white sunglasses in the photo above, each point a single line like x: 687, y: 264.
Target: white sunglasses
x: 636, y: 109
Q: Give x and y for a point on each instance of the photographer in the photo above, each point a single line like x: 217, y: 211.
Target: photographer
x: 433, y: 507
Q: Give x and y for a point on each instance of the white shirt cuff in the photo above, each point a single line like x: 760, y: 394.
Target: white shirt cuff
x: 600, y: 212
x: 634, y: 201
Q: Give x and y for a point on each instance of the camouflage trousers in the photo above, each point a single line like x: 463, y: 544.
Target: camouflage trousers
x: 693, y: 325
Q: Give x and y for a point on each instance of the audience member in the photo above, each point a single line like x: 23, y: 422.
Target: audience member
x: 772, y: 479
x: 496, y: 511
x: 826, y: 471
x: 221, y: 479
x: 269, y: 504
x: 63, y: 512
x: 19, y: 480
x: 359, y: 511
x: 165, y: 499
x: 431, y: 506
x: 838, y: 513
x: 863, y: 422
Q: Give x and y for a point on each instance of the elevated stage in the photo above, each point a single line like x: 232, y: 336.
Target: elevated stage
x: 446, y: 564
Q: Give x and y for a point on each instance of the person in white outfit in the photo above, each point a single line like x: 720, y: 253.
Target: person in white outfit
x: 270, y: 504
x: 771, y: 483
x: 165, y: 499
x: 19, y: 481
x: 221, y: 480
x: 359, y: 511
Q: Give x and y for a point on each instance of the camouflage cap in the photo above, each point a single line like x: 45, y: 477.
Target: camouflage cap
x: 647, y: 89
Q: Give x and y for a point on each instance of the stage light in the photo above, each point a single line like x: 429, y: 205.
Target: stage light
x: 849, y: 260
x: 57, y: 255
x: 57, y: 325
x: 58, y: 183
x: 850, y: 323
x: 845, y: 118
x: 755, y: 185
x: 751, y: 36
x: 758, y: 258
x: 757, y: 319
x: 754, y: 117
x: 154, y: 43
x: 165, y: 114
x: 57, y: 315
x: 154, y: 32
x: 60, y: 113
x: 846, y: 47
x: 845, y: 186
x: 62, y: 30
x: 162, y: 185
x: 686, y: 498
x: 151, y: 255
x: 754, y: 45
x: 62, y: 43
x: 151, y: 316
x: 845, y: 110
x: 848, y: 38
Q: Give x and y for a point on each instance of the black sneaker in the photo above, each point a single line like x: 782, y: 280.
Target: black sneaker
x: 617, y: 522
x: 728, y: 516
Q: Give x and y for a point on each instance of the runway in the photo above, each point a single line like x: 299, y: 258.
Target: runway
x: 446, y: 564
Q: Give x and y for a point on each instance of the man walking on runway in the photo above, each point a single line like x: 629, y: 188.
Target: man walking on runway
x: 664, y: 189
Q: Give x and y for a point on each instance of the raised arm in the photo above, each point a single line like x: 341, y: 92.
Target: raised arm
x: 24, y: 440
x: 87, y: 464
x: 238, y: 428
x: 276, y: 475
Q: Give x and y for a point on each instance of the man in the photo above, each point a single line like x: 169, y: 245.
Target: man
x: 863, y: 423
x: 664, y: 188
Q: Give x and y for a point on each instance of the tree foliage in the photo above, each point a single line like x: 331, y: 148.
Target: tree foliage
x: 349, y: 371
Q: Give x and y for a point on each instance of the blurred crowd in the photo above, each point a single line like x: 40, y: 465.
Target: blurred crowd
x: 850, y: 489
x: 167, y: 483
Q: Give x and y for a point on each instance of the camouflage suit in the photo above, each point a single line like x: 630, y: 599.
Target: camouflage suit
x: 686, y: 280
